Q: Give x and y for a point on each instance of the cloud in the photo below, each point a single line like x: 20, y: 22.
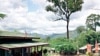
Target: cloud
x: 90, y: 4
x: 39, y: 21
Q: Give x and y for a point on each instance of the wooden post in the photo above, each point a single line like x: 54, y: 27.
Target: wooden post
x: 34, y: 48
x: 37, y: 48
x: 42, y: 50
x: 10, y: 53
x: 6, y: 53
x: 23, y: 51
x: 28, y: 51
x: 35, y: 51
x: 31, y: 49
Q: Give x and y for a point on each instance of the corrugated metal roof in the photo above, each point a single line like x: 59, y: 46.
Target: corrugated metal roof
x: 16, y: 37
x: 20, y: 45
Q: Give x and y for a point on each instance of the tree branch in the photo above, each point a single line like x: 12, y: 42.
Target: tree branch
x: 60, y: 19
x: 61, y: 9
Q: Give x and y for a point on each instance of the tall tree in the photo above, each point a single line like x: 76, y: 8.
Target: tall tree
x: 93, y: 21
x: 91, y: 36
x: 80, y: 29
x: 64, y: 9
x: 2, y: 15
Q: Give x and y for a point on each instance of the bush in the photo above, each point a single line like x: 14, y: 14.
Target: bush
x: 67, y: 48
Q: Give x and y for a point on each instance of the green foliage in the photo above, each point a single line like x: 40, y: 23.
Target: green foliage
x: 93, y: 21
x: 50, y: 8
x: 63, y: 44
x: 64, y: 8
x: 74, y: 5
x: 2, y: 15
x: 81, y: 39
x: 98, y: 37
x: 87, y: 37
x: 91, y: 36
x: 72, y: 45
x: 80, y: 29
x: 57, y: 41
x: 68, y: 47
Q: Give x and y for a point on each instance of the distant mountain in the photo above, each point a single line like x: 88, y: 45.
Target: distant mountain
x: 38, y: 35
x: 72, y: 34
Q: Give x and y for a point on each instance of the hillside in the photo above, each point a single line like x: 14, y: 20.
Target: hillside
x: 72, y: 34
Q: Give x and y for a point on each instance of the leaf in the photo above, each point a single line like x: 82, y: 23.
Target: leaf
x: 2, y: 15
x: 97, y: 23
x: 65, y: 8
x: 93, y: 21
x: 50, y: 8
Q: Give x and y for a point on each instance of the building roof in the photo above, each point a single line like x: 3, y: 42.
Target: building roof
x: 18, y: 37
x: 20, y: 45
x: 82, y: 48
x: 14, y: 33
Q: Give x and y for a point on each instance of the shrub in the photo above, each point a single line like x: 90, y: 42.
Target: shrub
x: 67, y: 48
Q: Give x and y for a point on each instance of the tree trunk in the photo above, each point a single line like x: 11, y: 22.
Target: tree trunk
x: 67, y: 29
x: 95, y: 27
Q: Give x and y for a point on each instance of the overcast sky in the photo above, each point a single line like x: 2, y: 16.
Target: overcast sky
x: 30, y: 15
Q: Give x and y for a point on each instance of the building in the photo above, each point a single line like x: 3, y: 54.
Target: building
x: 20, y: 46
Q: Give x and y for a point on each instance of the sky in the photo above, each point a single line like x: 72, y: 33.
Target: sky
x: 31, y: 16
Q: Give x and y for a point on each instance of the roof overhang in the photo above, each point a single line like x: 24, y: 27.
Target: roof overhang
x: 18, y: 37
x: 20, y: 45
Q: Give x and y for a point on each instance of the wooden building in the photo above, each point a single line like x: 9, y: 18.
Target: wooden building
x: 20, y: 46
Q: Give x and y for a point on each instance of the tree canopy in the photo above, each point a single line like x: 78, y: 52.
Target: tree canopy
x: 2, y: 15
x: 80, y: 29
x: 93, y: 21
x: 64, y: 8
